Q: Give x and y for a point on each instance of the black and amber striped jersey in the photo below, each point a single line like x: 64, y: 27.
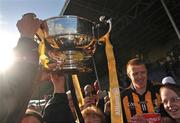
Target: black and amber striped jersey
x: 133, y: 103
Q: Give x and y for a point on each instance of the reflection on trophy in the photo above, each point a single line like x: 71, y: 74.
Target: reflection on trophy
x: 69, y: 42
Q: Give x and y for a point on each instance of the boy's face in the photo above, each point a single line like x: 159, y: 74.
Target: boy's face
x: 138, y: 75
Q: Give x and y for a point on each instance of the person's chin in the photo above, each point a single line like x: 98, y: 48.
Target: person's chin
x: 175, y: 115
x: 141, y: 86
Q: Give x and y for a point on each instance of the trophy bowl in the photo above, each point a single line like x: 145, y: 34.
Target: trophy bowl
x: 69, y: 42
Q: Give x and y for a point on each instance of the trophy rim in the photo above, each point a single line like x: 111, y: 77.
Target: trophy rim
x: 71, y: 63
x: 70, y: 16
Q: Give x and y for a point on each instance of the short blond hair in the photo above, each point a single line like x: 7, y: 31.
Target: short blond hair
x: 135, y: 61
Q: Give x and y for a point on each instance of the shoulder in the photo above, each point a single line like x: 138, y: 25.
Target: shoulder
x: 58, y: 98
x: 154, y: 85
x: 126, y: 92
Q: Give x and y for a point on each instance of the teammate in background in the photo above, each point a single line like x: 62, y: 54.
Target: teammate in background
x: 142, y: 96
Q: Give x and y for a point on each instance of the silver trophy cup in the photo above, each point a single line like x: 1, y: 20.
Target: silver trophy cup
x: 69, y: 41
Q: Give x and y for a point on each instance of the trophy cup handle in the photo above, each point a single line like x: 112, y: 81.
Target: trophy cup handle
x: 109, y: 21
x: 105, y: 21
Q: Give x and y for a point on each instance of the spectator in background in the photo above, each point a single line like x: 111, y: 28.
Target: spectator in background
x: 88, y: 90
x: 170, y: 96
x: 90, y: 98
x: 96, y: 85
x: 92, y: 114
x: 142, y: 96
x: 168, y: 79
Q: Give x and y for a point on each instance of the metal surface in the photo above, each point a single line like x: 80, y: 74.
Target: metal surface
x: 70, y: 41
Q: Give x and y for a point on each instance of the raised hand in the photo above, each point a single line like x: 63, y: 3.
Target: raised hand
x: 28, y: 25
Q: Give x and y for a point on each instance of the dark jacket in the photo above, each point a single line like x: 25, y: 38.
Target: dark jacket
x: 57, y: 110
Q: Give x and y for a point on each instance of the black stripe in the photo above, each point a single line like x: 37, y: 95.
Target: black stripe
x: 153, y: 96
x: 131, y: 104
x: 153, y: 91
x: 143, y: 103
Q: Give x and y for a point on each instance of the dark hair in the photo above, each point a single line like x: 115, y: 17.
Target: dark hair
x: 174, y: 87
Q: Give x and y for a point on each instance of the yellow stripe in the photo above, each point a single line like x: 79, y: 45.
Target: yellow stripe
x: 44, y: 60
x: 115, y: 100
x: 149, y: 102
x: 127, y: 108
x: 137, y: 104
x: 78, y: 90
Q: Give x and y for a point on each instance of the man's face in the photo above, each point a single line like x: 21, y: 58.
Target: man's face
x: 138, y: 75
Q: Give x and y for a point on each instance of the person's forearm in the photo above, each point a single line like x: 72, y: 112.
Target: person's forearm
x: 59, y: 90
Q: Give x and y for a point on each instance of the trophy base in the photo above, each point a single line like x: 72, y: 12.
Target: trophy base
x: 68, y: 67
x: 71, y: 68
x: 71, y: 61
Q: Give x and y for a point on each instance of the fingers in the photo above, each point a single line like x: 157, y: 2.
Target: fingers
x: 89, y: 101
x: 32, y: 15
x: 28, y: 25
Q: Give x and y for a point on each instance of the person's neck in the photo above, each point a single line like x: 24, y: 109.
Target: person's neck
x: 140, y: 91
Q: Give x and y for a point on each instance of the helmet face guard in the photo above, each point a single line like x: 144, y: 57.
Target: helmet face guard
x: 68, y: 42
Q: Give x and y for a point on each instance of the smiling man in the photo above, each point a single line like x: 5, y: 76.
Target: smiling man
x: 142, y: 96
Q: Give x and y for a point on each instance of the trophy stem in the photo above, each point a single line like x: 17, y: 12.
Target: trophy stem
x: 96, y: 73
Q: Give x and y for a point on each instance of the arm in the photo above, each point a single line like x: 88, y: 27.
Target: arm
x: 17, y: 83
x: 58, y: 110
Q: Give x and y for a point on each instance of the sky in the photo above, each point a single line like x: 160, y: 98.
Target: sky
x: 12, y: 10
